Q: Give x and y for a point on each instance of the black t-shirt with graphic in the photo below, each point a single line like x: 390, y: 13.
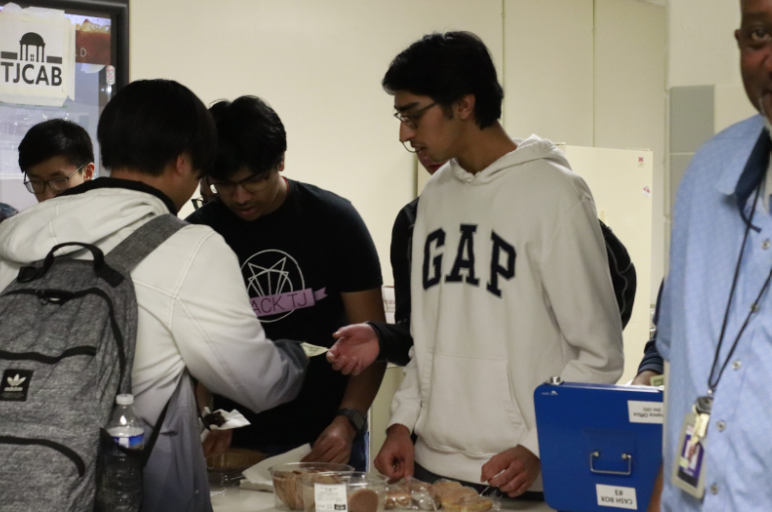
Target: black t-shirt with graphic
x: 296, y: 262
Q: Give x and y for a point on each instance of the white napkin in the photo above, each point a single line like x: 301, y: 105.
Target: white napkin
x: 233, y: 419
x: 259, y: 478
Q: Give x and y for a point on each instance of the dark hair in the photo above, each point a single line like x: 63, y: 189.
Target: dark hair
x: 250, y: 134
x: 55, y: 137
x: 446, y: 67
x: 149, y: 123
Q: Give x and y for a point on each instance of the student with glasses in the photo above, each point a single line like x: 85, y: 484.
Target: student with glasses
x: 55, y: 155
x: 310, y: 267
x: 509, y: 278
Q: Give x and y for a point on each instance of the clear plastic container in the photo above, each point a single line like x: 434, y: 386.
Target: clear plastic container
x: 288, y: 494
x: 365, y: 492
x: 225, y: 469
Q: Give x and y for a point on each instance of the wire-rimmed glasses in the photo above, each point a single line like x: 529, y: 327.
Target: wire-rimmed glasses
x: 410, y: 119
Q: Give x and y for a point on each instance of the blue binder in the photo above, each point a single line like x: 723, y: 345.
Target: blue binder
x: 600, y: 445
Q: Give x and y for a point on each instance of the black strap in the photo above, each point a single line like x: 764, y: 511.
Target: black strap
x: 143, y: 241
x: 717, y: 371
x: 154, y: 436
x: 148, y: 450
x: 31, y: 272
x: 128, y: 254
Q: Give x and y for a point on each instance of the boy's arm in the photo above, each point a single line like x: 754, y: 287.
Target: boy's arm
x: 334, y: 444
x: 221, y: 340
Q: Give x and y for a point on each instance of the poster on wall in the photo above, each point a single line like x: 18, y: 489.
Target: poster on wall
x: 37, y: 56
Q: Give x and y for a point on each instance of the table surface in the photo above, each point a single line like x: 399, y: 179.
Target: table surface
x: 234, y: 499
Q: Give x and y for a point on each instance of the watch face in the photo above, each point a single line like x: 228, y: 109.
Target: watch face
x: 355, y: 417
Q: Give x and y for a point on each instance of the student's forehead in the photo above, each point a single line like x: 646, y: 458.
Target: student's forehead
x: 241, y: 173
x: 405, y: 100
x: 54, y: 166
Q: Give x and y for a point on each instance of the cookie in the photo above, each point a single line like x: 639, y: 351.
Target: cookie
x: 468, y: 503
x: 443, y: 487
x: 398, y: 498
x: 455, y: 494
x: 363, y: 500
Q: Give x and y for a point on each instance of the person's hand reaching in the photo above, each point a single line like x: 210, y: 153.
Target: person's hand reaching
x: 356, y: 349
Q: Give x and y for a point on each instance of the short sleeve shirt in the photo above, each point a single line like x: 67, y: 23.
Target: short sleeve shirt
x: 296, y: 262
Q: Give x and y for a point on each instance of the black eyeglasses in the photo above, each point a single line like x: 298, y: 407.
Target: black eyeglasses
x: 56, y: 184
x: 411, y: 118
x: 253, y: 184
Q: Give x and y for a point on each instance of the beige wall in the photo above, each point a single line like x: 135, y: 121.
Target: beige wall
x: 548, y: 72
x: 591, y: 73
x: 705, y: 92
x: 319, y: 64
x: 575, y: 71
x: 630, y: 109
x: 701, y: 45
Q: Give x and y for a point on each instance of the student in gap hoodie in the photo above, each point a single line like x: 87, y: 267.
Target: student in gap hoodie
x: 509, y: 283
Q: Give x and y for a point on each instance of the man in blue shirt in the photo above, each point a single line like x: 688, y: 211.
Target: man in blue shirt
x: 715, y: 326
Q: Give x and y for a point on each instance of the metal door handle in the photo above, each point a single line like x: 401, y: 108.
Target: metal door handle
x: 625, y: 456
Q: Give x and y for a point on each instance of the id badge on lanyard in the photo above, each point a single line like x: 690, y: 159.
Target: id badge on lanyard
x: 689, y: 465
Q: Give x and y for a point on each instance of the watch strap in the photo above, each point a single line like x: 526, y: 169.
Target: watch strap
x: 357, y: 420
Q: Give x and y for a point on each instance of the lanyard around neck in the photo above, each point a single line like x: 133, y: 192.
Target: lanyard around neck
x: 715, y: 377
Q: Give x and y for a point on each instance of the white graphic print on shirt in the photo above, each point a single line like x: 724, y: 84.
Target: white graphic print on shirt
x: 276, y: 285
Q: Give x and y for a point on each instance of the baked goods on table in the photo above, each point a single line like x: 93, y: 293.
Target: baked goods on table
x: 468, y: 503
x: 398, y: 498
x: 287, y: 488
x: 363, y: 500
x: 365, y: 492
x: 444, y: 494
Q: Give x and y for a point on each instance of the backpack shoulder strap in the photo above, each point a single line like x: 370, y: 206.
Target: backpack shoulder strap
x: 143, y: 241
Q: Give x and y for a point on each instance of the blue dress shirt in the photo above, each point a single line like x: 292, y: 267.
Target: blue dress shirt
x: 712, y: 208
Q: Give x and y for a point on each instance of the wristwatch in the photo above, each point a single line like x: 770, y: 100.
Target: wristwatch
x: 356, y: 419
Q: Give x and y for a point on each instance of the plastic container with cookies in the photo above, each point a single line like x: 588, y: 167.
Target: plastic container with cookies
x: 362, y: 492
x: 288, y: 493
x: 412, y: 495
x: 454, y: 497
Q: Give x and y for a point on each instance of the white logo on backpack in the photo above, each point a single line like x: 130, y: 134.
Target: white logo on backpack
x: 15, y: 382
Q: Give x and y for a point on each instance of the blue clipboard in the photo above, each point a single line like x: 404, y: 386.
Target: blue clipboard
x: 600, y: 445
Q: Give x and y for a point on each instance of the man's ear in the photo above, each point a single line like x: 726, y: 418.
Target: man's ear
x: 88, y: 172
x: 183, y: 165
x: 464, y: 108
x: 281, y: 165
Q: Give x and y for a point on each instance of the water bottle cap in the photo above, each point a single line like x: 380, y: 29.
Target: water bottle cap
x: 124, y: 399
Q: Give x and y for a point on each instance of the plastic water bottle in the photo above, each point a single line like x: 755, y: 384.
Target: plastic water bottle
x: 124, y: 427
x: 120, y: 486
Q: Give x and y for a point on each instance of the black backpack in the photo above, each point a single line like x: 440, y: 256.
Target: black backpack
x: 622, y: 273
x: 67, y: 334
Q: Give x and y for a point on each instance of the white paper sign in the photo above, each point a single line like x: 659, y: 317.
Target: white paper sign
x: 37, y: 56
x: 617, y: 497
x: 646, y: 412
x: 330, y: 498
